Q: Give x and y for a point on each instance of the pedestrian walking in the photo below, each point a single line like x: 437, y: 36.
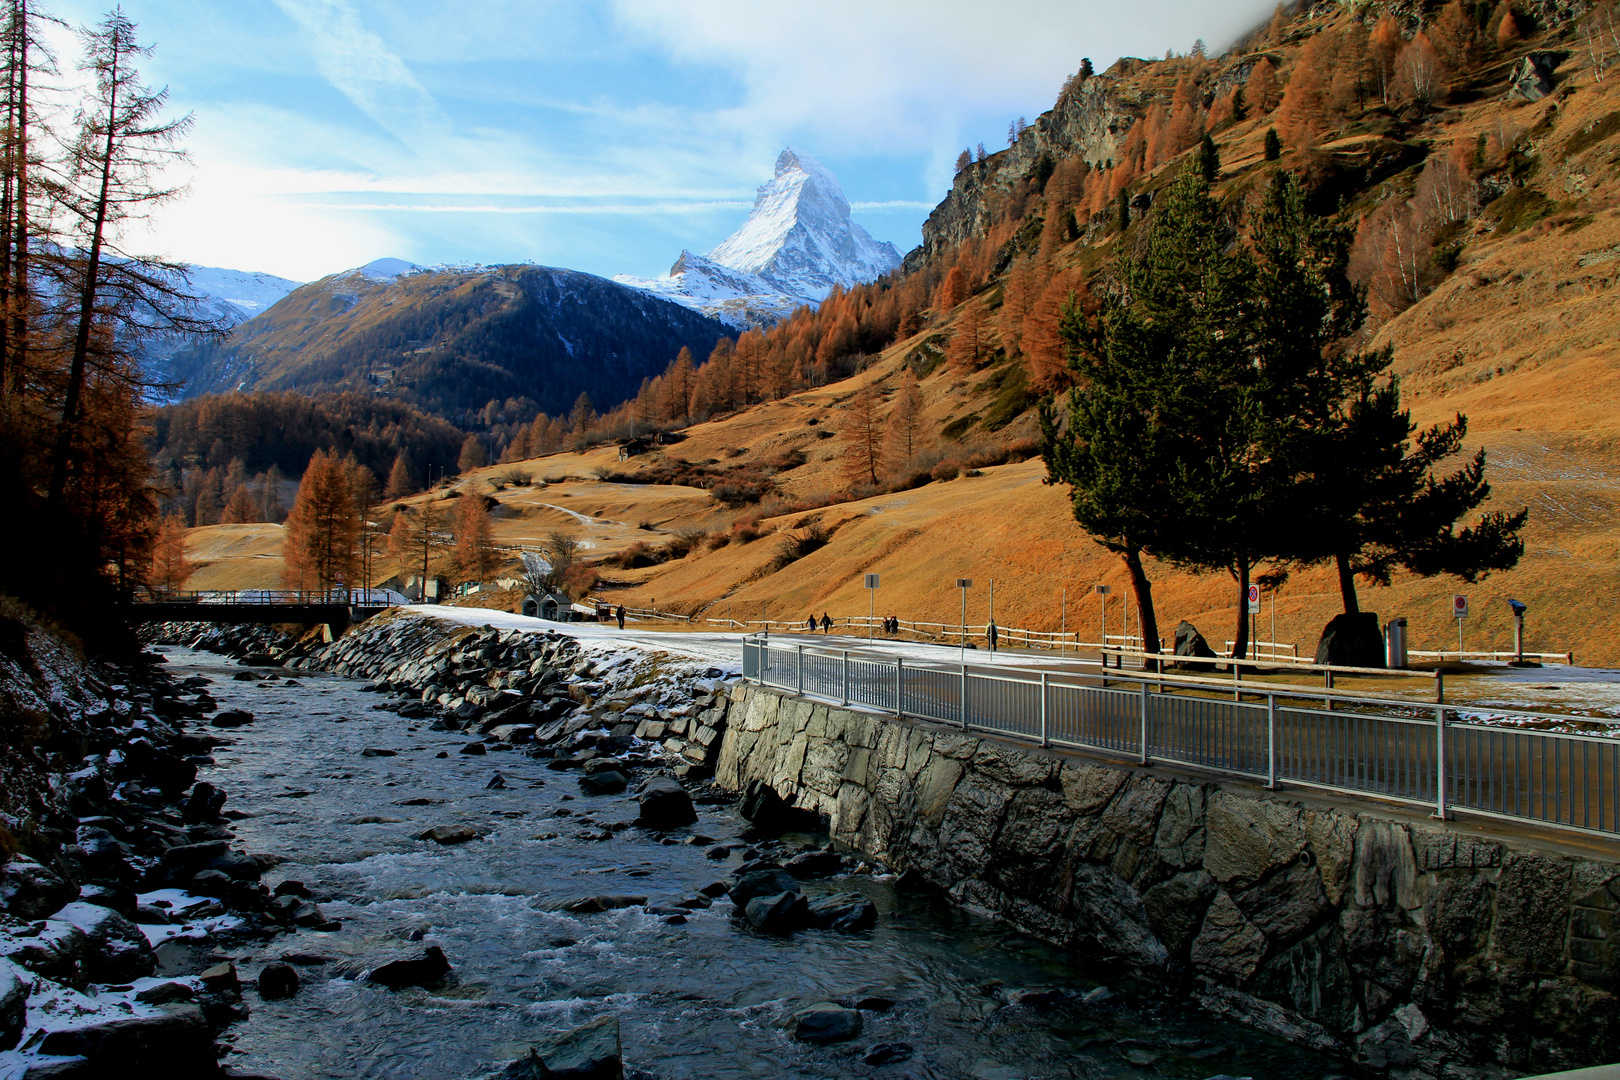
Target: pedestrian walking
x: 990, y: 634
x: 826, y: 623
x: 620, y: 614
x: 811, y: 623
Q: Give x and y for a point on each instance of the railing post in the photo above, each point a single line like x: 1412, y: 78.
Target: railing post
x: 1044, y: 740
x: 1146, y: 760
x: 899, y: 667
x: 798, y: 671
x: 1440, y: 810
x: 1439, y: 688
x: 964, y: 698
x: 1237, y: 680
x: 1271, y: 741
x: 1328, y: 679
x: 845, y: 700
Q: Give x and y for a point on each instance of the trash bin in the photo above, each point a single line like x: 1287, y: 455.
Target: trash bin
x: 1395, y: 643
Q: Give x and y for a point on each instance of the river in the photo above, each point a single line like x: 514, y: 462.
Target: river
x: 701, y: 1000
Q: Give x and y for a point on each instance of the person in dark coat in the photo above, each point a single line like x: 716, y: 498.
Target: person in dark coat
x: 811, y: 623
x: 990, y: 633
x: 620, y: 616
x: 826, y: 623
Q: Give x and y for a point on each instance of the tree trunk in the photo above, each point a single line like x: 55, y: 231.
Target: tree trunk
x: 1143, y: 590
x: 87, y: 301
x: 1240, y: 639
x: 1347, y: 584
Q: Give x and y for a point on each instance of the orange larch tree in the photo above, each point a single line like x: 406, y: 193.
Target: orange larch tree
x: 475, y: 540
x: 171, y: 566
x: 323, y: 527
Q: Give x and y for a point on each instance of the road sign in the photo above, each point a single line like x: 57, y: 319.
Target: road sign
x: 964, y: 583
x: 1103, y: 590
x: 871, y: 581
x: 1459, y: 606
x: 1254, y: 599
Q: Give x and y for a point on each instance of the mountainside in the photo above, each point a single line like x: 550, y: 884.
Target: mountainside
x: 453, y: 340
x: 797, y: 244
x: 229, y: 298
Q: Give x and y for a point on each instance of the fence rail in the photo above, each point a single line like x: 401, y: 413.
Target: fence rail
x: 259, y: 597
x: 1414, y: 753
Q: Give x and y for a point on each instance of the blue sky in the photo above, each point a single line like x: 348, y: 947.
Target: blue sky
x: 603, y: 136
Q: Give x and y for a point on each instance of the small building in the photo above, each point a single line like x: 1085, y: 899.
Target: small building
x: 551, y: 605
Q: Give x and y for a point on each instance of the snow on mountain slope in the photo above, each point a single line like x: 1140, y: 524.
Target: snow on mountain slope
x: 247, y: 291
x: 797, y: 243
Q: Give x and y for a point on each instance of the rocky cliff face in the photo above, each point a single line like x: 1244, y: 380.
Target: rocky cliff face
x: 1090, y: 121
x: 1425, y: 951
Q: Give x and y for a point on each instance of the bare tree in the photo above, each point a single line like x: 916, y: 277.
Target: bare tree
x: 122, y: 146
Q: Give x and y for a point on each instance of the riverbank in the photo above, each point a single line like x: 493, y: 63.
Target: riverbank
x: 557, y: 908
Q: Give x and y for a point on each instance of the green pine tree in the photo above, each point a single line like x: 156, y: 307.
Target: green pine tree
x: 1273, y: 145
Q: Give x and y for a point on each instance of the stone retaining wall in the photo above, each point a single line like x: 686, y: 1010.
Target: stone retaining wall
x: 1427, y: 951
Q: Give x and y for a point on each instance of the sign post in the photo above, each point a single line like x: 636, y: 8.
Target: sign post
x: 964, y: 583
x: 1254, y: 609
x: 1063, y: 624
x: 871, y: 602
x: 1103, y: 591
x: 1459, y: 611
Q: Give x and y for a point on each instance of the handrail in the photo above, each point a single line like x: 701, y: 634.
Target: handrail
x: 354, y: 597
x: 1556, y: 778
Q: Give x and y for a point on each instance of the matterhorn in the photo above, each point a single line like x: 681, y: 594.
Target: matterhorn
x: 797, y: 243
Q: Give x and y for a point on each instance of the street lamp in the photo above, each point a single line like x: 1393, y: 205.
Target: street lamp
x: 964, y: 583
x: 871, y: 603
x: 1519, y: 608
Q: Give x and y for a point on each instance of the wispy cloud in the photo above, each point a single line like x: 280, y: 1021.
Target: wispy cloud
x: 604, y: 208
x: 362, y: 68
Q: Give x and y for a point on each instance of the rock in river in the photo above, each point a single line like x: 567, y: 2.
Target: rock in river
x: 278, y: 981
x: 779, y: 914
x: 826, y: 1022
x: 762, y: 883
x: 610, y: 782
x: 665, y: 805
x: 424, y: 970
x: 232, y: 718
x: 591, y: 1052
x: 449, y: 834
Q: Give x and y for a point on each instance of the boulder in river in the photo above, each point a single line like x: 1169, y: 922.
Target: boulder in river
x: 890, y: 1053
x: 665, y: 805
x: 849, y: 913
x: 474, y: 748
x: 814, y: 864
x: 769, y: 812
x: 230, y: 718
x: 278, y: 981
x: 449, y: 834
x: 762, y: 883
x: 591, y: 1052
x: 609, y: 782
x: 779, y: 914
x: 826, y: 1022
x: 428, y: 969
x: 591, y: 905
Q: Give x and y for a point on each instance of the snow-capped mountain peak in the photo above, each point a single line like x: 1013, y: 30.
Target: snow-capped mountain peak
x: 798, y: 242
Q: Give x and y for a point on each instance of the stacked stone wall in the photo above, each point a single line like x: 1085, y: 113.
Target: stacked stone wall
x: 1425, y: 950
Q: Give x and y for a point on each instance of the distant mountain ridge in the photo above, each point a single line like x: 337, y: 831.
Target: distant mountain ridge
x: 451, y: 340
x: 798, y: 243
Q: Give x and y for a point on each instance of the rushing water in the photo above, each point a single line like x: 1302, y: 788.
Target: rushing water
x: 707, y: 999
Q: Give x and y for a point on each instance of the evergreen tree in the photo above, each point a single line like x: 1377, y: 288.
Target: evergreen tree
x: 1208, y: 160
x: 1085, y: 68
x: 1122, y: 210
x: 1157, y: 376
x: 1273, y: 145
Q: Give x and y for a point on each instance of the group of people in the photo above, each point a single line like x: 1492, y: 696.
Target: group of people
x: 826, y: 623
x: 891, y: 624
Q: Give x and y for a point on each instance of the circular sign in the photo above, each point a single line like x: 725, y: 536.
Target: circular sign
x: 1254, y: 594
x: 1459, y: 606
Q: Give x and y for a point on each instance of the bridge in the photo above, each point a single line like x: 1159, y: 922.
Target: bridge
x: 338, y: 608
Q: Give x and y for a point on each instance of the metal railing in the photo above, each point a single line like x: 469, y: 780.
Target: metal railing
x: 350, y: 597
x: 1415, y: 753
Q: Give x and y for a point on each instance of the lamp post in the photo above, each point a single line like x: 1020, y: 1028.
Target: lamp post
x: 1519, y: 608
x: 964, y: 584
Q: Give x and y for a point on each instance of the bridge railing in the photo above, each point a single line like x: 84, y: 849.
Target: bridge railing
x: 280, y: 597
x: 1444, y: 757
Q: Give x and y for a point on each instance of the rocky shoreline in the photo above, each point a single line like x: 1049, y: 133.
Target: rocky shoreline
x: 128, y: 865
